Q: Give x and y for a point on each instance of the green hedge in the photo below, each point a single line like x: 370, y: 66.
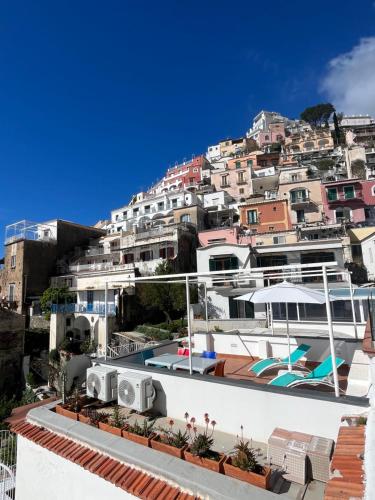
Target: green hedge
x: 154, y: 332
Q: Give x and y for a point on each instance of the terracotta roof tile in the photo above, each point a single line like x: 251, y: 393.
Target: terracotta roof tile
x: 138, y: 483
x: 348, y: 465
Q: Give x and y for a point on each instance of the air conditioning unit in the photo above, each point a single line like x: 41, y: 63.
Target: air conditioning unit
x: 135, y: 391
x: 101, y: 383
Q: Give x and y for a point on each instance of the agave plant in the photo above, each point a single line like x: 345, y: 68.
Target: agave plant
x: 145, y: 429
x: 201, y: 442
x: 170, y: 436
x: 244, y: 457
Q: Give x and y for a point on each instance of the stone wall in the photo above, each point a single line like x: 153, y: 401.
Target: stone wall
x: 11, y: 352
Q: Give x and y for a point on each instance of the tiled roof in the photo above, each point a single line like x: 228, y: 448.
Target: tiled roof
x: 19, y: 414
x: 347, y: 465
x: 135, y: 482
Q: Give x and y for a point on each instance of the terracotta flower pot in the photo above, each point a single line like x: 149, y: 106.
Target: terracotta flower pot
x: 146, y: 441
x: 109, y: 428
x: 260, y: 480
x: 157, y: 444
x: 84, y: 419
x: 207, y: 463
x: 66, y: 413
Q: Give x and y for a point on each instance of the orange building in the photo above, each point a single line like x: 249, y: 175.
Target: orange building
x: 265, y: 216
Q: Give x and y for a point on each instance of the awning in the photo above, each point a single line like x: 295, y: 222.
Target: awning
x: 358, y: 293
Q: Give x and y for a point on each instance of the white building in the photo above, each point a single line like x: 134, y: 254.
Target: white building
x: 213, y: 152
x: 262, y: 121
x: 356, y: 120
x: 145, y: 210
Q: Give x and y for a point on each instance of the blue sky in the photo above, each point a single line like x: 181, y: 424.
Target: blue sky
x: 97, y: 99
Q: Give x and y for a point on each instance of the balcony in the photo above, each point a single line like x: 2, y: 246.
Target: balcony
x: 27, y: 230
x: 84, y: 308
x: 98, y: 267
x: 300, y: 200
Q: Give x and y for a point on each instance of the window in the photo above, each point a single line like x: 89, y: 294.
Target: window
x: 128, y: 258
x: 278, y: 240
x: 161, y: 205
x: 294, y: 177
x: 11, y: 291
x: 249, y: 163
x: 238, y: 164
x: 223, y: 263
x: 300, y: 216
x: 266, y: 137
x: 240, y: 178
x: 240, y: 308
x: 147, y: 209
x: 174, y: 202
x: 124, y: 215
x: 242, y: 190
x: 191, y: 180
x: 166, y: 253
x: 146, y: 255
x: 349, y: 193
x: 185, y: 218
x: 119, y: 229
x: 332, y: 194
x: 195, y: 170
x: 13, y: 261
x: 68, y: 322
x: 135, y: 212
x: 224, y: 181
x: 271, y: 228
x: 252, y: 217
x: 298, y: 195
x: 309, y: 146
x: 116, y: 218
x: 343, y: 214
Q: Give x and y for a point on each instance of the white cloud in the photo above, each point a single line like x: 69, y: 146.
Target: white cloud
x: 350, y: 81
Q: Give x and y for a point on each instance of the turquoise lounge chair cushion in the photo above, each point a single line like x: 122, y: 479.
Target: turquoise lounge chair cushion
x: 321, y: 372
x: 295, y: 356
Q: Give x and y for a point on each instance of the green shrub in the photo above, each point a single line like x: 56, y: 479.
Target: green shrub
x: 154, y: 333
x: 54, y: 356
x: 30, y: 380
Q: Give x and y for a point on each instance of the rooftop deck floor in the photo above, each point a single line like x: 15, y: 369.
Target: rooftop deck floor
x: 238, y: 368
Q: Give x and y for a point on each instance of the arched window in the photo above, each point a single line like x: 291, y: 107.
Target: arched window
x: 266, y: 137
x: 279, y: 137
x: 309, y: 145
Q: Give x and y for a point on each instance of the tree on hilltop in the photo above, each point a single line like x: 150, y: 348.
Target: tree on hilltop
x: 318, y: 115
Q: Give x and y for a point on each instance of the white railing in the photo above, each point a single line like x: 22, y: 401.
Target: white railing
x: 8, y: 457
x: 123, y: 349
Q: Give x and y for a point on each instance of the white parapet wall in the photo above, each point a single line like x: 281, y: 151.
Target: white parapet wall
x: 44, y: 475
x: 259, y: 409
x: 261, y: 345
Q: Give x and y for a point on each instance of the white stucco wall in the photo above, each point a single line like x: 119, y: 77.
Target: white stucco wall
x: 253, y: 345
x: 42, y: 475
x: 258, y: 410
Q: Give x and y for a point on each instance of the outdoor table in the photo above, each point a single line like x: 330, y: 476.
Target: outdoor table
x: 165, y: 360
x: 200, y: 365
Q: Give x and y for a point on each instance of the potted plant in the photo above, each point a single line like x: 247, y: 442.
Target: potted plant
x: 199, y: 451
x: 141, y: 434
x: 171, y: 442
x: 96, y: 417
x: 242, y: 464
x: 73, y: 406
x: 114, y: 423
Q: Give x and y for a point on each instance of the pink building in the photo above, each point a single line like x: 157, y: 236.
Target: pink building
x: 225, y: 235
x: 349, y: 200
x: 275, y: 133
x: 187, y: 175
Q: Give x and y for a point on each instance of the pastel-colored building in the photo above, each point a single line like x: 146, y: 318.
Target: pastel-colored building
x: 308, y: 142
x: 186, y: 175
x: 265, y: 216
x: 304, y: 195
x: 275, y: 133
x: 231, y: 147
x: 349, y: 200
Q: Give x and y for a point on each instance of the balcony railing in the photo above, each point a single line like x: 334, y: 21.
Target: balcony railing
x: 8, y: 459
x: 102, y: 266
x: 84, y: 308
x: 296, y: 200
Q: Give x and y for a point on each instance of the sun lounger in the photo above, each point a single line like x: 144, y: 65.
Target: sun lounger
x: 319, y: 376
x: 267, y: 364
